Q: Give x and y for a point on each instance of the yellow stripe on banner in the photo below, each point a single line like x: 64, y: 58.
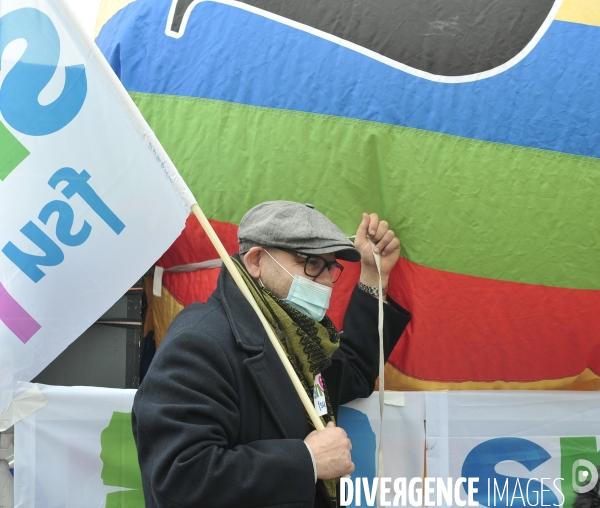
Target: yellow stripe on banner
x: 108, y: 8
x: 396, y: 380
x: 586, y: 12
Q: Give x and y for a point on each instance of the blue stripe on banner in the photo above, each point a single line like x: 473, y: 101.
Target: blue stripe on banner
x: 549, y: 100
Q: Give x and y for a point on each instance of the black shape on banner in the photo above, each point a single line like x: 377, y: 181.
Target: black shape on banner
x: 441, y: 37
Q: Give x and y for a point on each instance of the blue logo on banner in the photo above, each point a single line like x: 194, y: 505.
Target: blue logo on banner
x: 21, y: 88
x: 357, y: 426
x: 496, y: 489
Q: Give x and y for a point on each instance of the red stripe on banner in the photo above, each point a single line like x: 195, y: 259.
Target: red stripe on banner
x: 469, y: 328
x: 464, y: 328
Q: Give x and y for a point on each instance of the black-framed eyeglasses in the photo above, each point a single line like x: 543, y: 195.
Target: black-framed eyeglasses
x: 316, y: 265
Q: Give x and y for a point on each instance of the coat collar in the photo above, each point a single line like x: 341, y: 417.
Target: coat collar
x: 249, y: 332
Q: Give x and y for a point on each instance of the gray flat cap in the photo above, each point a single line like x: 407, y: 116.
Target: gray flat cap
x: 293, y: 226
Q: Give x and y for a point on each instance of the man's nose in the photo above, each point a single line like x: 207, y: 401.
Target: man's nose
x: 325, y: 278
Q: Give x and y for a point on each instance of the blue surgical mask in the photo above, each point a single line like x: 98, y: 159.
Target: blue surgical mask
x: 307, y: 296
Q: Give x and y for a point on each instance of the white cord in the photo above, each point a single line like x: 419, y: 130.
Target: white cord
x: 380, y: 471
x: 191, y: 267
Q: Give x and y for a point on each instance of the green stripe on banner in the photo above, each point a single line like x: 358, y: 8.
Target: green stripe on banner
x: 460, y: 205
x: 12, y: 152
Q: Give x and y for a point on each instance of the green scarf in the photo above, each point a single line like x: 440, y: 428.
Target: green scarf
x: 307, y: 343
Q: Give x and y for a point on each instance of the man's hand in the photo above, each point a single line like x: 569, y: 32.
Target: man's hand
x: 387, y: 244
x: 331, y: 449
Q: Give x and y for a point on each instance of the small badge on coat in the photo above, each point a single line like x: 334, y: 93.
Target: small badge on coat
x: 319, y: 396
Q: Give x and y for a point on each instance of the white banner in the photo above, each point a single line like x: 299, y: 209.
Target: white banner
x: 526, y: 448
x: 88, y: 198
x: 403, y: 434
x: 78, y: 451
x: 403, y: 443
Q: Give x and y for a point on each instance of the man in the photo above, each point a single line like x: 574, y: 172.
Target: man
x: 217, y: 421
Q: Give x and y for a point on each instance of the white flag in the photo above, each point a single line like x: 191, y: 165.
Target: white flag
x: 88, y: 197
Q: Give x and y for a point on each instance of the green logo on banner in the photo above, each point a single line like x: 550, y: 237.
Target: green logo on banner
x: 121, y: 468
x: 12, y: 152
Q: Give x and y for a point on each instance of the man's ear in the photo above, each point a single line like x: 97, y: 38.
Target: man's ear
x: 252, y: 261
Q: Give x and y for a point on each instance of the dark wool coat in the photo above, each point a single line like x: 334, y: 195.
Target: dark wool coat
x: 217, y: 421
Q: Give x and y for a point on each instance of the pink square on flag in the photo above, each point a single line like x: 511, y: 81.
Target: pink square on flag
x: 16, y: 317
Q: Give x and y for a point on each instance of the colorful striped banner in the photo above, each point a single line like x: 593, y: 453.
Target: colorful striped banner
x: 491, y: 182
